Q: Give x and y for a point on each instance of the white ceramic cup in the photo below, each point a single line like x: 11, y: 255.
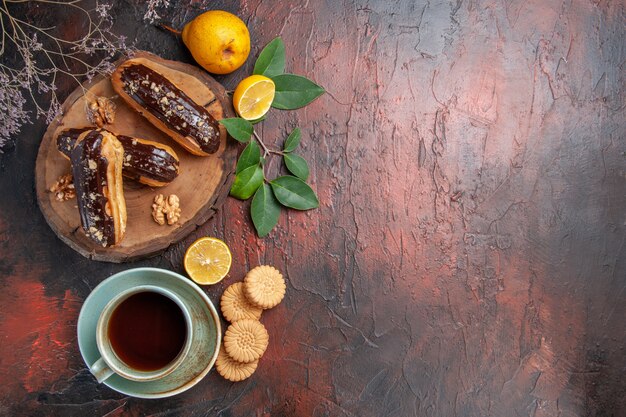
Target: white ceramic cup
x: 109, y: 363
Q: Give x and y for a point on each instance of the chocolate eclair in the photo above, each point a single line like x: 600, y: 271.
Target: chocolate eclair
x: 167, y: 107
x: 145, y: 161
x: 97, y: 168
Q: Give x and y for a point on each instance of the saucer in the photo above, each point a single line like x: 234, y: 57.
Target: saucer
x: 206, y: 331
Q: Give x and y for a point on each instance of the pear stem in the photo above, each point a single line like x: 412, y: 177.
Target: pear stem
x: 170, y: 29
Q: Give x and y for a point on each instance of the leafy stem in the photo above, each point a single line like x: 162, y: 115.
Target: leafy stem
x: 266, y: 150
x: 291, y: 191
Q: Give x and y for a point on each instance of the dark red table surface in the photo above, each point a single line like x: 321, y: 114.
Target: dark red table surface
x: 467, y: 258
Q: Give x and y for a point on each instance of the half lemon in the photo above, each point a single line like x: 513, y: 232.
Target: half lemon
x: 253, y: 97
x: 207, y: 260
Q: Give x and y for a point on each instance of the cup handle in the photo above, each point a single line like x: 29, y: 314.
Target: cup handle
x: 101, y: 370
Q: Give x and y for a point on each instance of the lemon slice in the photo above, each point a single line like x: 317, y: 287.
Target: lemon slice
x: 253, y: 97
x: 207, y: 260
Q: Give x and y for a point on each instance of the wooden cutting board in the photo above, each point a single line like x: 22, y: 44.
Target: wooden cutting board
x: 202, y: 185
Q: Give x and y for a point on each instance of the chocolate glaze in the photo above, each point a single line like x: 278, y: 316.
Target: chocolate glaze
x: 148, y: 161
x: 89, y: 168
x: 67, y: 139
x: 140, y: 159
x: 170, y: 105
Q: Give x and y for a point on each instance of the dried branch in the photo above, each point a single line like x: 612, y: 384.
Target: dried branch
x: 33, y: 58
x: 152, y: 14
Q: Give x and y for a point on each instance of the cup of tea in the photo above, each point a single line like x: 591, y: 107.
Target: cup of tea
x: 143, y: 334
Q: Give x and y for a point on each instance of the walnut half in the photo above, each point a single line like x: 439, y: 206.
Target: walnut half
x: 63, y: 188
x: 166, y: 209
x: 101, y: 111
x: 172, y: 209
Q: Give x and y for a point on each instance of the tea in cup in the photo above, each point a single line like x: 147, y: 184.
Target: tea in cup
x: 143, y: 334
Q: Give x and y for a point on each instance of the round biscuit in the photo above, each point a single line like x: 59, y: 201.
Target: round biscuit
x: 232, y: 370
x: 246, y: 340
x: 264, y: 286
x: 235, y: 306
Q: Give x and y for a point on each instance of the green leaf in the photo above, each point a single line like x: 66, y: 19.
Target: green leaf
x: 271, y: 60
x: 265, y: 210
x: 297, y: 166
x: 294, y: 91
x: 247, y: 182
x: 238, y: 128
x: 295, y: 193
x: 250, y: 156
x: 293, y: 140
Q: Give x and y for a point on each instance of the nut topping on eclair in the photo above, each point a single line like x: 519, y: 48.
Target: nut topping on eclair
x: 97, y: 169
x: 167, y: 107
x: 146, y: 161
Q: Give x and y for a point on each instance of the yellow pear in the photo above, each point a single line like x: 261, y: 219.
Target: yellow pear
x: 219, y: 41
